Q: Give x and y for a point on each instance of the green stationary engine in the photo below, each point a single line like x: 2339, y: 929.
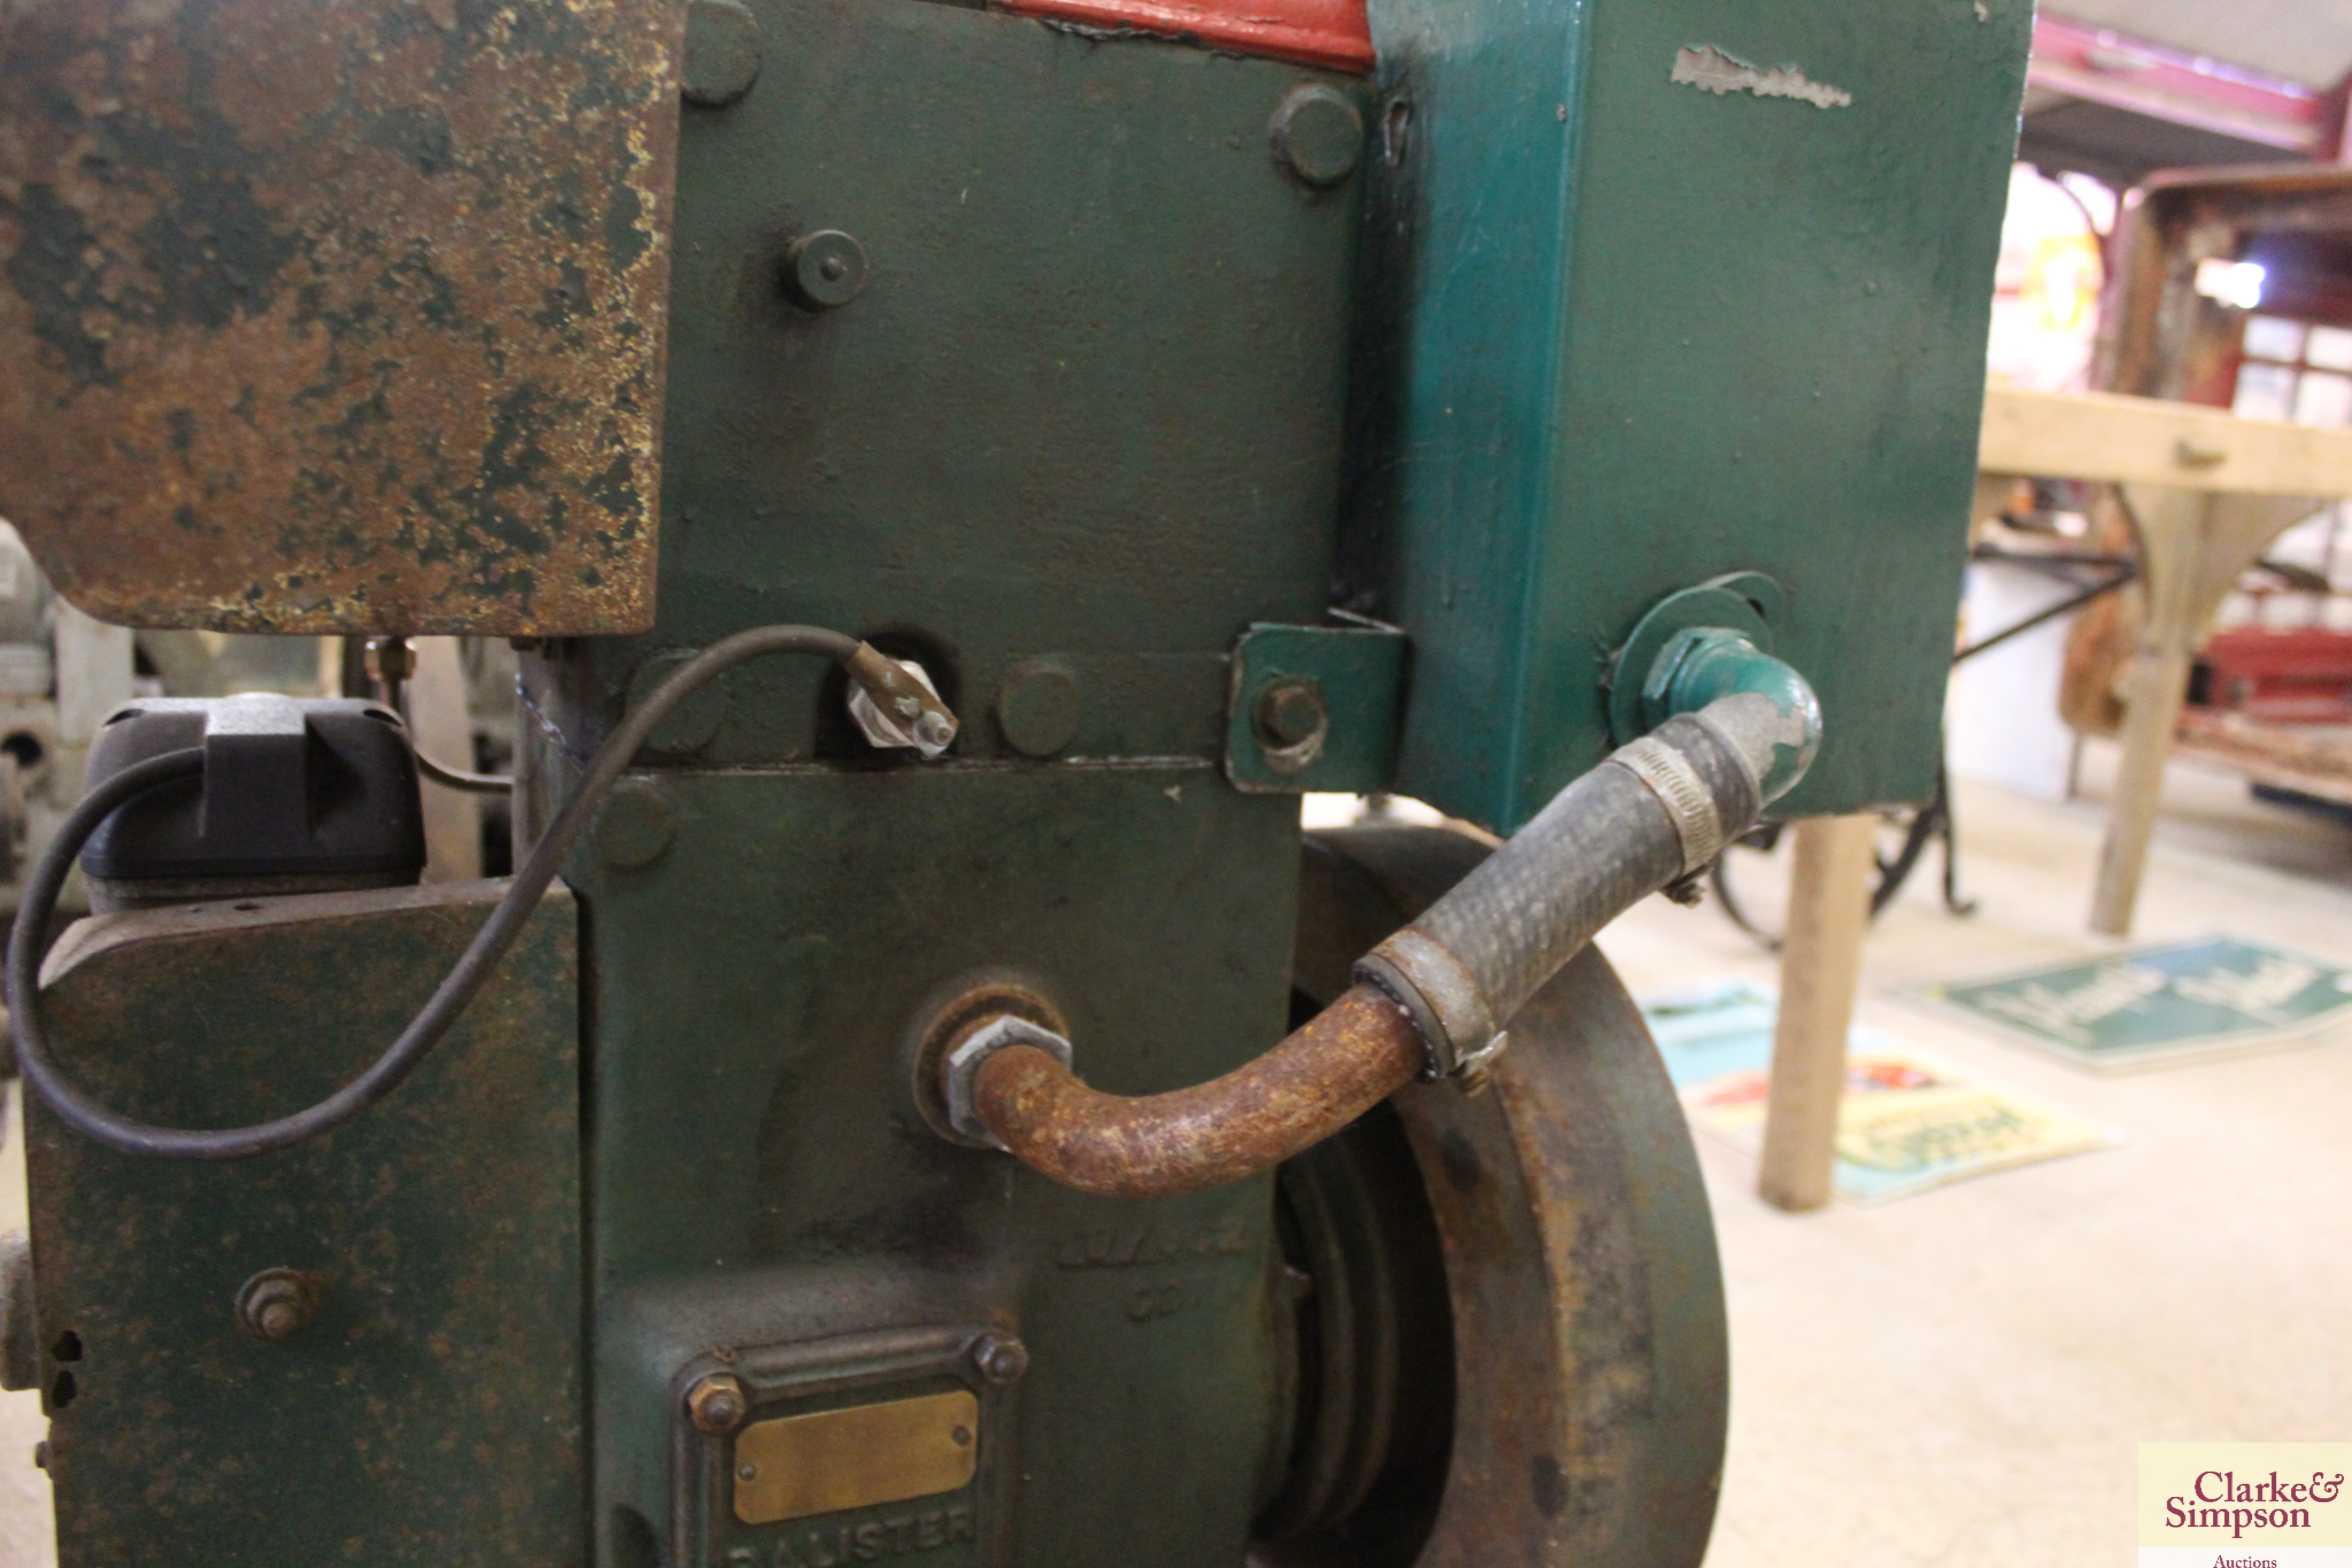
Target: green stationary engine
x: 956, y: 475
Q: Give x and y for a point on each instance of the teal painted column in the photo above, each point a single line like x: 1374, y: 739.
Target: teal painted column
x: 1656, y: 291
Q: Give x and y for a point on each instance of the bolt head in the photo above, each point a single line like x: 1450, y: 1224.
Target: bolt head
x: 722, y: 53
x: 391, y: 658
x: 1000, y: 1358
x: 1318, y: 134
x: 824, y: 270
x: 277, y: 1304
x: 634, y: 826
x: 715, y: 1405
x: 1039, y: 707
x: 959, y: 1070
x: 1289, y: 713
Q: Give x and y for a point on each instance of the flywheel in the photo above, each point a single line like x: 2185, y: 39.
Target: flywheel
x: 1507, y: 1310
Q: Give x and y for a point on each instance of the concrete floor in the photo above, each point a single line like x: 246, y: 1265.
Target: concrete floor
x: 1961, y: 1378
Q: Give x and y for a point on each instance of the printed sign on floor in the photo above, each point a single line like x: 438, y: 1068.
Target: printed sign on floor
x: 2244, y: 1505
x: 2157, y: 1004
x: 1908, y: 1121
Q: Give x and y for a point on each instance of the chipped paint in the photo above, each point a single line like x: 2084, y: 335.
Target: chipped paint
x: 1709, y: 70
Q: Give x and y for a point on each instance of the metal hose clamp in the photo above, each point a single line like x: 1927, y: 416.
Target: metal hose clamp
x: 1690, y: 804
x: 1440, y: 994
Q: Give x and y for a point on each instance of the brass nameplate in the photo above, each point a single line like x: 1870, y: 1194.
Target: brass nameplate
x: 867, y: 1454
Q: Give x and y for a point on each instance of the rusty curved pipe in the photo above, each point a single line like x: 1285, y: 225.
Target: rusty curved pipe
x: 1434, y: 997
x: 1345, y: 1060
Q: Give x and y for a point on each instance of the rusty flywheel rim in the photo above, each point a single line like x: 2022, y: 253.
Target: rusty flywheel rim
x: 1587, y: 1341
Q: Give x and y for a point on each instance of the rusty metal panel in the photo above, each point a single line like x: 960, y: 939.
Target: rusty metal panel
x: 338, y: 315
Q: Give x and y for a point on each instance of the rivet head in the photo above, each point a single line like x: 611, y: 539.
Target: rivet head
x: 1000, y: 1358
x: 715, y: 1405
x: 278, y: 1304
x: 722, y: 53
x: 1318, y: 134
x: 634, y: 826
x: 695, y: 722
x: 824, y: 270
x: 1039, y: 707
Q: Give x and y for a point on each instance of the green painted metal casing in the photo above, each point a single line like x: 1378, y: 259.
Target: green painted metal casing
x: 1621, y: 335
x: 1087, y: 414
x: 435, y: 1410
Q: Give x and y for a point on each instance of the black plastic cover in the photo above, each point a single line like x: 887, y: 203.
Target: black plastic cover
x: 290, y: 787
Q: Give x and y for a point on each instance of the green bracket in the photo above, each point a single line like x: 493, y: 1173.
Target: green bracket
x: 1313, y: 708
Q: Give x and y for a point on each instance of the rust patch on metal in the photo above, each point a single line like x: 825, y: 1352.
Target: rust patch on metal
x: 1586, y: 1300
x: 432, y: 1412
x: 338, y: 315
x: 1346, y: 1059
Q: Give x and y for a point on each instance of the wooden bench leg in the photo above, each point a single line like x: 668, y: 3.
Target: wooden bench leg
x: 2159, y: 687
x: 1820, y: 962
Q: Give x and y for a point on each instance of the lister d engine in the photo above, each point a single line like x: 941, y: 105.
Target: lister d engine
x: 957, y: 476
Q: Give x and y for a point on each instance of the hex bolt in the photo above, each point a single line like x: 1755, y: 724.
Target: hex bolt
x: 1000, y: 1358
x: 277, y: 1304
x: 391, y: 659
x: 1288, y: 712
x: 960, y: 1071
x: 824, y: 270
x: 1317, y: 134
x: 715, y: 1405
x: 1291, y: 723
